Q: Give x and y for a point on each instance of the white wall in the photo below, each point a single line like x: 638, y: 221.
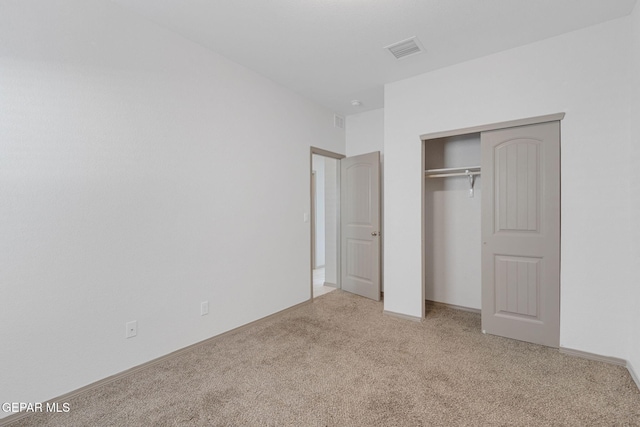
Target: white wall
x: 583, y: 73
x: 365, y: 132
x: 133, y: 187
x: 634, y: 195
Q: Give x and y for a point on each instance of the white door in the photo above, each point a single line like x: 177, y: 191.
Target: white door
x: 521, y: 233
x: 360, y: 224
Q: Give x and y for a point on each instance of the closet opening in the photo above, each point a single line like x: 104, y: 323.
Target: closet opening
x: 491, y: 225
x: 452, y: 227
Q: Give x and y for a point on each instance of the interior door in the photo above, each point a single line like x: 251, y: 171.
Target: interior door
x: 360, y: 224
x: 521, y: 233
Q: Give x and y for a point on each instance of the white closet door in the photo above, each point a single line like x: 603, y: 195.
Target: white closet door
x: 360, y: 224
x: 521, y: 233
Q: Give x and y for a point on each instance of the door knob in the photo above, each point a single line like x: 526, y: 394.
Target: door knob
x: 374, y: 233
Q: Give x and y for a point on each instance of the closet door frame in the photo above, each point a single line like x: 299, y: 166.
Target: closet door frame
x: 425, y: 138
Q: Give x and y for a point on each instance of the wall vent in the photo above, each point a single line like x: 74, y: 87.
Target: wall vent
x: 338, y: 121
x: 404, y: 48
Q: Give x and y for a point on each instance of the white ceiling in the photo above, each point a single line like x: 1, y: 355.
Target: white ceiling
x: 332, y: 50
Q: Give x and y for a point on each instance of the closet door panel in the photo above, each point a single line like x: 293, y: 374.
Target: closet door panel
x: 517, y: 286
x: 521, y: 233
x: 517, y: 173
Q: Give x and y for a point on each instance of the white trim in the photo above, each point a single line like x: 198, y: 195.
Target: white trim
x: 453, y: 306
x: 493, y: 126
x: 634, y: 376
x: 402, y: 316
x: 592, y: 356
x: 326, y: 153
x: 606, y: 359
x: 423, y: 229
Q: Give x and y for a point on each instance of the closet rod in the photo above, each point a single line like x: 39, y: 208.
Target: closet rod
x: 429, y: 174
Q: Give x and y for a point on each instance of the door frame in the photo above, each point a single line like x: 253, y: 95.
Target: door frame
x: 330, y: 154
x: 312, y: 217
x: 424, y: 139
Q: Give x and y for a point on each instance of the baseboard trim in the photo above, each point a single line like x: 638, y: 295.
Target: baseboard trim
x: 402, y: 316
x: 8, y: 420
x: 453, y: 306
x: 606, y: 359
x: 592, y: 356
x: 331, y: 285
x: 633, y: 373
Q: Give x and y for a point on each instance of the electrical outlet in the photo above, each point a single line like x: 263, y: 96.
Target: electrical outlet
x: 132, y: 329
x: 204, y: 308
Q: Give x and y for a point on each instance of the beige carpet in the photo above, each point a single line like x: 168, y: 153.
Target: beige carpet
x: 341, y: 362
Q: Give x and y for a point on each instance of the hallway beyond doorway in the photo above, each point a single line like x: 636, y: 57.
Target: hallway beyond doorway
x: 318, y: 283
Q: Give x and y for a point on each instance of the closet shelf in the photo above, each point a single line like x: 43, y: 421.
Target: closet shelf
x: 445, y: 172
x: 469, y: 171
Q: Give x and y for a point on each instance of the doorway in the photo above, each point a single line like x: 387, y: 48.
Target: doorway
x: 345, y: 223
x: 325, y: 221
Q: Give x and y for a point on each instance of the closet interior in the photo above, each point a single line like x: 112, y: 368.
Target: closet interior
x: 452, y: 215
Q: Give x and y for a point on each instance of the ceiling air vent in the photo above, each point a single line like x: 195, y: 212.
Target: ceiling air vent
x: 338, y: 121
x: 404, y: 48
